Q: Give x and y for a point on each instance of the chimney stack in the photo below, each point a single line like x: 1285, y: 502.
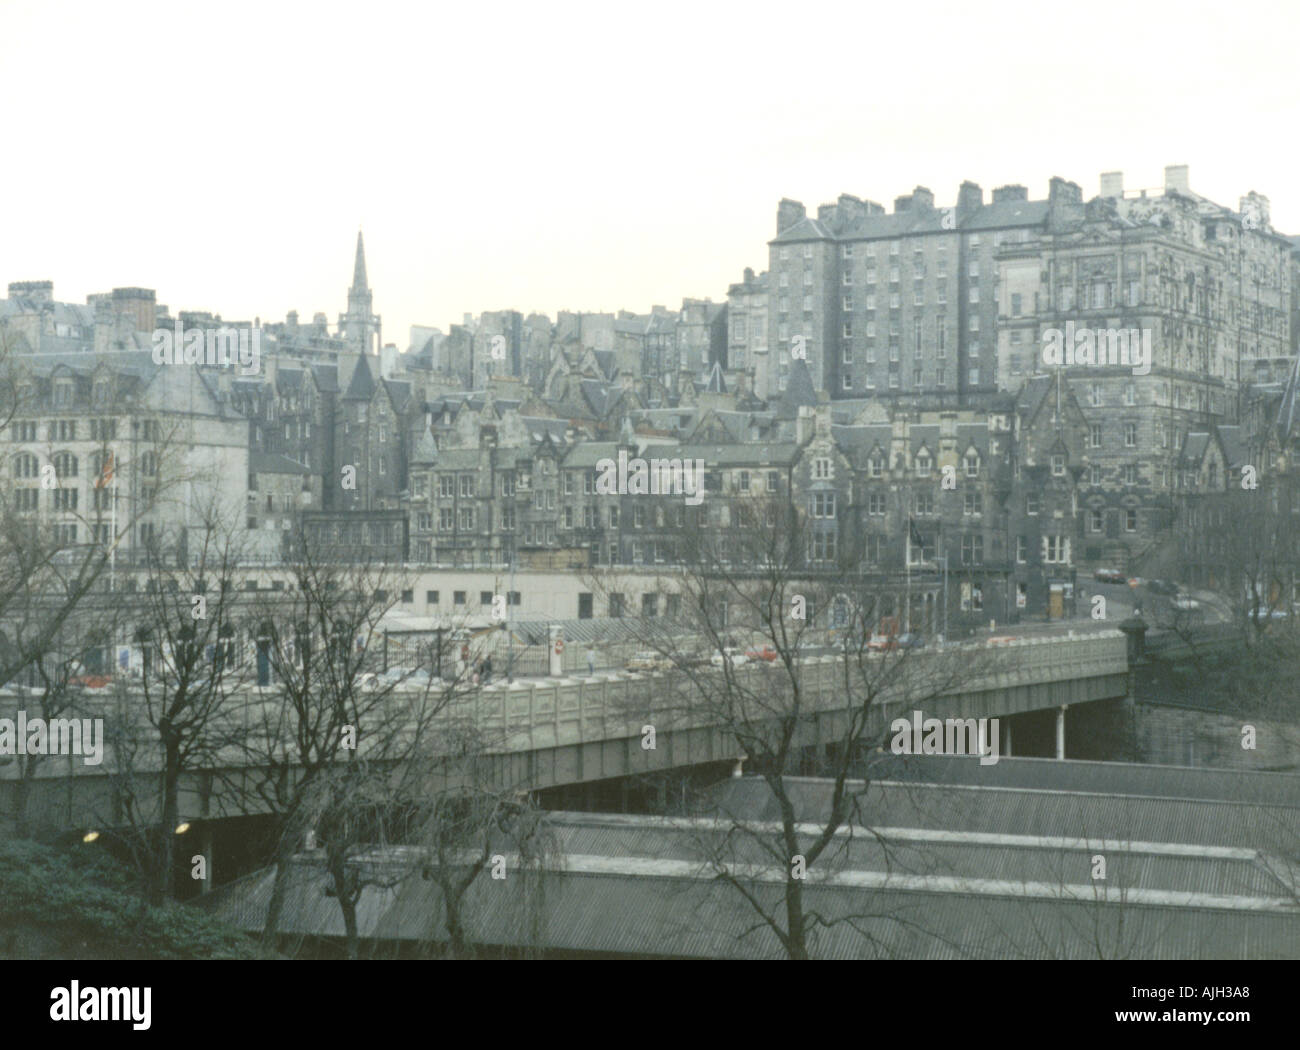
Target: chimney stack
x: 1176, y: 178
x: 1112, y: 184
x: 788, y: 213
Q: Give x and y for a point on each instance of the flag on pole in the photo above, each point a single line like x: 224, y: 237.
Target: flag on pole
x: 105, y: 471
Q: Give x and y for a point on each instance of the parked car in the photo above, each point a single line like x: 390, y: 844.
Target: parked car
x: 911, y: 640
x: 1185, y: 602
x: 761, y: 652
x: 729, y: 655
x: 1109, y: 576
x: 1163, y: 587
x: 649, y: 660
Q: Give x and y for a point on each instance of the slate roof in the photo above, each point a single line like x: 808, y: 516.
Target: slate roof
x: 804, y: 230
x: 274, y: 463
x: 799, y: 390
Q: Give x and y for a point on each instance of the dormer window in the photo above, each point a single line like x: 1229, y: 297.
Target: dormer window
x: 1058, y: 466
x: 923, y: 465
x: 972, y: 464
x: 876, y: 466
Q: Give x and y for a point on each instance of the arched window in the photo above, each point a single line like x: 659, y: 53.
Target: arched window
x: 65, y: 465
x: 26, y: 465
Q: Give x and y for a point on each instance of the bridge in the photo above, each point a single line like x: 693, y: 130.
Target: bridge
x: 561, y: 731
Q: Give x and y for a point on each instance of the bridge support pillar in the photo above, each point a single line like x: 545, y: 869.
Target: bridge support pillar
x: 1060, y: 731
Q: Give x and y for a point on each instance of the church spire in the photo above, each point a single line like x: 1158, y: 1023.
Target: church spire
x: 359, y: 268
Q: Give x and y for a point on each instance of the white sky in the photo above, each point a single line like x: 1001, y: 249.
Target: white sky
x: 582, y: 156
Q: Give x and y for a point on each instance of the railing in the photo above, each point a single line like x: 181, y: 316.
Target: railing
x: 541, y: 713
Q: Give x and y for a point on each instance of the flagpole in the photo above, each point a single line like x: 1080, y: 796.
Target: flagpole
x: 112, y: 550
x: 907, y: 606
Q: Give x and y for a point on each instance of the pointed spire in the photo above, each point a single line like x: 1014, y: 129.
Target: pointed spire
x: 359, y: 268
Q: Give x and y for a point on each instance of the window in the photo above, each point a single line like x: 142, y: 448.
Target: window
x: 822, y: 546
x: 616, y: 605
x: 1056, y: 549
x: 431, y: 597
x: 924, y: 503
x: 972, y: 549
x: 1031, y: 503
x: 1130, y: 521
x: 972, y: 465
x: 1130, y: 474
x: 822, y: 469
x: 65, y: 464
x: 822, y: 505
x: 771, y: 481
x: 972, y: 503
x: 1130, y: 435
x: 1095, y: 523
x: 1015, y: 304
x: 1058, y: 465
x: 1022, y: 549
x: 1094, y: 435
x: 1095, y: 474
x: 466, y: 485
x: 876, y: 503
x: 975, y: 294
x: 923, y: 465
x: 1094, y: 395
x: 446, y: 486
x: 458, y: 597
x: 445, y: 521
x: 467, y: 519
x: 1130, y: 394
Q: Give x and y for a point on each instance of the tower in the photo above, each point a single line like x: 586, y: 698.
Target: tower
x: 360, y: 326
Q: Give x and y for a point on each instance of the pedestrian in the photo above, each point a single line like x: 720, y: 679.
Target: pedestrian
x: 487, y: 670
x: 591, y: 659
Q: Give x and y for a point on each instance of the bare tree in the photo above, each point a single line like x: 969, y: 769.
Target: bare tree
x: 177, y: 719
x: 327, y: 701
x: 800, y: 664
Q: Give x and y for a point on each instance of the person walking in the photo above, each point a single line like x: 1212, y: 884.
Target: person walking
x: 591, y: 659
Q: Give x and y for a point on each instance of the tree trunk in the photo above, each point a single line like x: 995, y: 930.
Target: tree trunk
x: 165, y: 882
x: 796, y: 937
x: 22, y: 794
x: 276, y: 905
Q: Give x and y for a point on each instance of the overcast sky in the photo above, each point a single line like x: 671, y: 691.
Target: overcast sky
x: 582, y: 156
